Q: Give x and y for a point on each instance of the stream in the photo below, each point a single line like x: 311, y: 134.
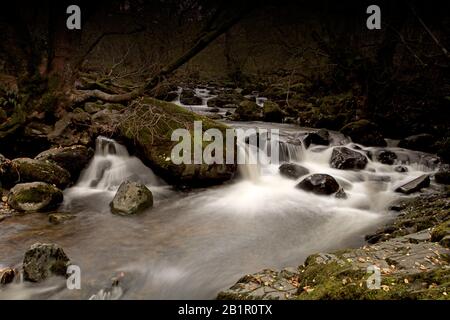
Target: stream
x: 191, y: 245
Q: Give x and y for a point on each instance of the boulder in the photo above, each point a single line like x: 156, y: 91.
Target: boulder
x: 420, y: 142
x: 415, y: 185
x: 247, y: 111
x: 322, y: 184
x: 31, y: 170
x: 365, y: 133
x: 292, y: 170
x: 8, y: 175
x: 346, y: 159
x: 225, y: 100
x: 272, y: 112
x: 189, y: 98
x: 387, y: 157
x: 44, y: 260
x: 73, y: 158
x: 7, y: 275
x: 401, y: 169
x: 321, y: 137
x: 131, y: 198
x: 154, y: 145
x: 443, y: 175
x: 34, y: 196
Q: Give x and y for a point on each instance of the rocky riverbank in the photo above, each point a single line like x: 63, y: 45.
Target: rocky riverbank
x: 412, y: 254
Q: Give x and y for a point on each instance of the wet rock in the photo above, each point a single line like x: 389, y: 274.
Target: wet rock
x: 322, y: 184
x: 247, y: 111
x: 58, y: 218
x: 321, y: 137
x: 420, y: 142
x: 443, y: 175
x: 387, y: 157
x: 189, y: 98
x: 131, y: 198
x: 73, y: 158
x: 292, y: 170
x: 7, y: 276
x: 31, y: 170
x: 341, y: 194
x: 401, y: 169
x: 346, y: 159
x: 272, y: 112
x: 44, y: 260
x: 34, y: 196
x: 8, y: 175
x: 225, y: 100
x: 415, y: 185
x: 364, y: 132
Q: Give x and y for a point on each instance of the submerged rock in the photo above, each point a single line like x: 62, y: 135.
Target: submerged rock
x: 387, y: 157
x: 292, y: 170
x: 131, y: 198
x: 31, y: 170
x: 415, y: 185
x: 322, y: 184
x: 58, y: 218
x: 364, y: 132
x: 44, y: 260
x: 401, y: 169
x: 73, y: 158
x: 321, y: 137
x: 346, y: 159
x: 419, y: 142
x: 34, y: 196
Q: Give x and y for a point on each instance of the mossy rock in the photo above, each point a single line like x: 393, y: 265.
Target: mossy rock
x: 31, y: 170
x: 365, y: 133
x: 34, y: 196
x: 441, y: 231
x: 248, y: 111
x: 272, y: 112
x: 152, y: 139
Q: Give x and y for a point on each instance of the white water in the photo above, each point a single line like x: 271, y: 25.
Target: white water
x: 191, y: 245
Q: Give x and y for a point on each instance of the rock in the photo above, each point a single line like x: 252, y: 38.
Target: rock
x: 387, y: 157
x: 364, y: 132
x: 44, y: 260
x: 443, y: 175
x: 346, y: 159
x: 8, y: 174
x: 292, y: 170
x: 272, y: 112
x: 7, y: 276
x: 225, y: 100
x: 189, y: 98
x: 58, y: 218
x: 321, y: 137
x: 74, y: 128
x: 420, y: 142
x: 322, y: 184
x: 154, y: 145
x: 31, y: 170
x: 415, y: 185
x: 92, y: 107
x: 131, y: 198
x: 401, y: 169
x: 341, y: 194
x: 247, y: 111
x: 73, y: 159
x: 34, y: 196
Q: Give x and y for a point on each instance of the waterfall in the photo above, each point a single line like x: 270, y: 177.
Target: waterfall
x: 112, y: 165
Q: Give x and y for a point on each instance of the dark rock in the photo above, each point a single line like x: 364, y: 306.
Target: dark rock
x: 34, y: 196
x: 401, y: 169
x: 189, y: 98
x: 7, y: 276
x: 443, y: 176
x: 321, y: 137
x: 420, y: 142
x: 225, y: 100
x: 322, y: 184
x: 31, y: 170
x: 415, y: 185
x: 292, y: 170
x: 58, y: 218
x: 247, y: 111
x: 272, y: 112
x: 387, y: 157
x: 365, y: 133
x: 44, y: 260
x: 8, y: 175
x: 131, y: 198
x: 74, y: 128
x: 346, y: 159
x: 73, y: 158
x: 341, y: 194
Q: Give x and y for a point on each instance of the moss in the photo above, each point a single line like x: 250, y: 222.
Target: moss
x: 440, y: 231
x: 272, y: 112
x: 247, y: 111
x: 34, y: 195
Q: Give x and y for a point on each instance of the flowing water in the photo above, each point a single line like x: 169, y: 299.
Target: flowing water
x: 191, y: 245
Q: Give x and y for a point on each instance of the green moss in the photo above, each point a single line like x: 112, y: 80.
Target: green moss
x: 440, y: 231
